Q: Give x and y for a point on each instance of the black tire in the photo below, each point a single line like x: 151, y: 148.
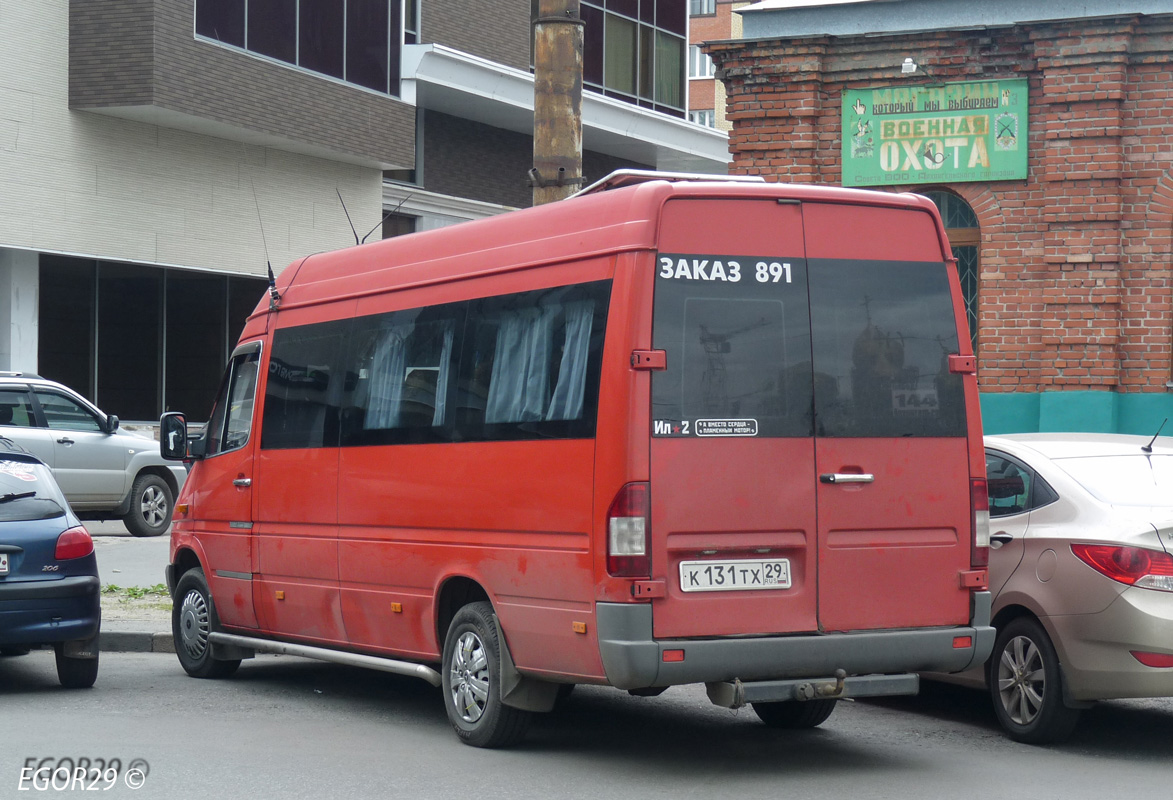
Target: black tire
x: 795, y: 714
x: 151, y: 504
x: 15, y: 650
x: 75, y: 673
x: 472, y: 682
x: 1026, y: 685
x: 193, y: 617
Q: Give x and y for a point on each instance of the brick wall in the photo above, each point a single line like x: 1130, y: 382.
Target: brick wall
x: 1074, y: 289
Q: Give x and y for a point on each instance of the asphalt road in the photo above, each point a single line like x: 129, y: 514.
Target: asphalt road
x: 289, y: 728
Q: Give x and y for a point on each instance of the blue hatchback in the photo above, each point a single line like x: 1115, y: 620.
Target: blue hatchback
x: 49, y: 588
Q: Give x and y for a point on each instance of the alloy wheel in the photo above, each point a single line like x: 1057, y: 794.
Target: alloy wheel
x: 1021, y: 680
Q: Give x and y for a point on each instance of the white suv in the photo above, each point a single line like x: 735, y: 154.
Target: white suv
x: 104, y: 473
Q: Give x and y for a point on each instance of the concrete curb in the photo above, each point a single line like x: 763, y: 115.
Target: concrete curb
x: 135, y: 642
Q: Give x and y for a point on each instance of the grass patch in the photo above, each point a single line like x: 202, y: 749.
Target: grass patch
x: 127, y: 593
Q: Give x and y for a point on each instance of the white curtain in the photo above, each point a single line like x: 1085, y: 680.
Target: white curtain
x: 566, y: 402
x: 442, y: 378
x: 519, y: 388
x: 388, y: 368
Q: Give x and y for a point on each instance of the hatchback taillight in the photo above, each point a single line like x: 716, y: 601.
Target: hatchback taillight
x: 628, y: 531
x: 980, y: 503
x: 74, y: 543
x: 1135, y: 566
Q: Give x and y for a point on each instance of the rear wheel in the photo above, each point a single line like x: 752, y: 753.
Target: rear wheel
x: 193, y: 617
x: 150, y: 506
x: 75, y: 673
x: 472, y: 682
x: 1027, y: 686
x: 794, y: 714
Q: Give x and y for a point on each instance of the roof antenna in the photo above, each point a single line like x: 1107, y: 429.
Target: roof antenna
x: 347, y: 213
x: 274, y: 297
x: 1148, y: 448
x: 386, y: 216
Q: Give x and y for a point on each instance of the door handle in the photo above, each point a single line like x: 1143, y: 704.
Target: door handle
x: 846, y: 477
x: 1001, y: 538
x: 65, y: 440
x: 244, y: 483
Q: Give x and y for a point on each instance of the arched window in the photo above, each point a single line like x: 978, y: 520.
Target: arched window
x: 961, y: 225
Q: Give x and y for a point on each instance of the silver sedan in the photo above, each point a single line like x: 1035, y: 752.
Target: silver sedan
x: 1081, y: 529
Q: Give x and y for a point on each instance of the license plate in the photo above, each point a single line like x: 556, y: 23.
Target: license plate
x: 3, y: 563
x: 732, y: 576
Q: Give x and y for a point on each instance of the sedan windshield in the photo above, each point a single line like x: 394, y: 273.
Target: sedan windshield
x: 1132, y: 480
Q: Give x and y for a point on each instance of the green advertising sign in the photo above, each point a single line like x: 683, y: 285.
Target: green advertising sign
x: 948, y: 133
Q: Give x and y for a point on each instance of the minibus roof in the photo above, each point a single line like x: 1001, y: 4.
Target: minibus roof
x: 602, y: 222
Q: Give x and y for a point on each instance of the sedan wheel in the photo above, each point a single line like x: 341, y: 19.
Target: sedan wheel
x: 1026, y: 685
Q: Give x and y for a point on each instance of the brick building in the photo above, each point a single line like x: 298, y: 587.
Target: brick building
x: 1042, y: 131
x: 154, y: 154
x: 709, y: 20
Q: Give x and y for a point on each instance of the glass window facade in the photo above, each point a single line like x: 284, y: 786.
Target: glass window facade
x: 108, y: 328
x: 357, y: 41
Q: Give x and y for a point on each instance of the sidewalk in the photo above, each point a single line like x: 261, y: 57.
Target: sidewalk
x: 136, y: 626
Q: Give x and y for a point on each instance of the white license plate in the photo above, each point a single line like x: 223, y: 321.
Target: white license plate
x: 3, y: 563
x: 732, y: 576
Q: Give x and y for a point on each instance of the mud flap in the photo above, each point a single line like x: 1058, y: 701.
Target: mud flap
x: 518, y: 691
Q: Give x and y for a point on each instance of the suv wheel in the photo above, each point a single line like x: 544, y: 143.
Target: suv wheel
x: 150, y: 506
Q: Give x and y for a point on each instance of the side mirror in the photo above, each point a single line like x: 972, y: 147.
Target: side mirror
x: 173, y: 436
x: 111, y: 424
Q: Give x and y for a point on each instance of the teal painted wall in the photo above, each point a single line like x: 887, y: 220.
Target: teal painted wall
x: 1087, y: 412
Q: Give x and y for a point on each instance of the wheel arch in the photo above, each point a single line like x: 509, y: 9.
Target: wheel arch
x: 455, y: 592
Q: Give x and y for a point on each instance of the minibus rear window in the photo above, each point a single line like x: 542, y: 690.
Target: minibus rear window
x: 882, y: 335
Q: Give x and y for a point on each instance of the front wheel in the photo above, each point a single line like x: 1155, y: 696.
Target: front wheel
x: 472, y: 682
x: 150, y: 506
x: 75, y: 673
x: 1026, y: 685
x: 794, y: 714
x: 193, y: 617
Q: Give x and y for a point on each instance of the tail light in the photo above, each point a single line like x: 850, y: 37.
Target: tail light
x: 627, y: 533
x: 1135, y: 566
x: 979, y: 500
x: 73, y: 543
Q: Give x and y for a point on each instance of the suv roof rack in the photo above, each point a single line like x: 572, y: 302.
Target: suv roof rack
x: 630, y: 177
x: 5, y: 374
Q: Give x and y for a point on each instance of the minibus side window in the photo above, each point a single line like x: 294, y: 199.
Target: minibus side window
x: 232, y: 415
x: 302, y: 393
x: 402, y: 375
x: 882, y: 333
x: 531, y: 365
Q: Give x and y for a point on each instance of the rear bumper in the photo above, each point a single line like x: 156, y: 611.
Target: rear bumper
x: 1095, y: 648
x: 47, y: 612
x: 633, y: 659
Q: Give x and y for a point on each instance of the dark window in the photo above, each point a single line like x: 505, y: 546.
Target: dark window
x: 402, y: 376
x: 16, y: 410
x: 272, y: 29
x: 398, y: 225
x: 882, y: 334
x: 628, y: 7
x: 130, y: 305
x: 366, y: 43
x: 232, y: 415
x: 196, y: 340
x: 698, y: 8
x: 320, y: 36
x: 1014, y: 487
x: 67, y: 303
x: 65, y: 413
x: 302, y: 392
x: 523, y: 366
x: 222, y: 20
x: 738, y: 349
x: 672, y: 15
x: 592, y: 45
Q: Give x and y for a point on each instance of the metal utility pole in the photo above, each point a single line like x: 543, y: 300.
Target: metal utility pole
x: 557, y: 170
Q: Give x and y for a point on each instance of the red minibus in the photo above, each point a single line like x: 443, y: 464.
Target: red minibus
x: 673, y: 430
